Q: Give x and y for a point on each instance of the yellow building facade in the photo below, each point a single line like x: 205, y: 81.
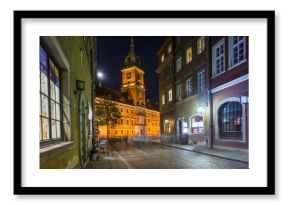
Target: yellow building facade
x: 138, y: 115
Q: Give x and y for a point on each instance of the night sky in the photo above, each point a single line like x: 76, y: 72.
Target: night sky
x: 111, y: 53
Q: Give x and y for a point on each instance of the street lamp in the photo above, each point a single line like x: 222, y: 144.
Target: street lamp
x: 200, y: 109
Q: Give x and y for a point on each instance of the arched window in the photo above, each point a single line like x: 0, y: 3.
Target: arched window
x: 197, y: 125
x: 230, y: 120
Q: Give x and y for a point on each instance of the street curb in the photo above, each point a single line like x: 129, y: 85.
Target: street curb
x: 228, y: 158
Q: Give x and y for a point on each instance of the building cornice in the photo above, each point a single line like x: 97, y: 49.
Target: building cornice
x: 231, y: 83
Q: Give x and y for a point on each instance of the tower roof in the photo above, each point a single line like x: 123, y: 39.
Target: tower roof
x: 132, y: 58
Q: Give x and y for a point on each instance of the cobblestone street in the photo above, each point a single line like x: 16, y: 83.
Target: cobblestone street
x: 142, y: 155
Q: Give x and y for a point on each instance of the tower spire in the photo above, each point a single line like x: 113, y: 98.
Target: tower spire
x: 132, y: 58
x: 132, y: 43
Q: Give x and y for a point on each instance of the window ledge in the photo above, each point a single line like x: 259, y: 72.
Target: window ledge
x: 218, y: 74
x: 47, y: 153
x: 237, y: 64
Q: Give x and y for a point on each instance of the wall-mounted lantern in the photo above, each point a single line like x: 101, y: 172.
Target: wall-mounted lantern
x: 80, y: 85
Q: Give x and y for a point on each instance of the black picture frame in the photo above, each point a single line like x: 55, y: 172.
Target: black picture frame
x: 269, y: 16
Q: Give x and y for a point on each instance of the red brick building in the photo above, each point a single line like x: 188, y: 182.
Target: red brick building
x: 229, y: 91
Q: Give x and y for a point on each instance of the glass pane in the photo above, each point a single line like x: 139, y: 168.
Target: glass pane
x: 54, y: 73
x: 43, y: 61
x: 217, y: 52
x: 43, y: 83
x: 58, y: 135
x: 235, y: 39
x: 52, y: 90
x: 45, y: 129
x: 52, y: 105
x: 40, y: 132
x: 56, y: 94
x: 44, y: 105
x: 57, y: 111
x: 53, y: 129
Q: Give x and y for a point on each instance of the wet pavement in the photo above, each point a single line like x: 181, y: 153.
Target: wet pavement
x: 147, y: 155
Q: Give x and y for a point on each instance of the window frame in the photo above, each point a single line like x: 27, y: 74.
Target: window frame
x: 200, y: 45
x: 201, y: 82
x: 58, y: 103
x: 170, y: 95
x: 162, y: 58
x: 179, y: 92
x: 231, y: 49
x: 237, y: 113
x: 169, y: 48
x: 163, y: 99
x: 188, y: 55
x: 191, y: 126
x: 189, y: 92
x: 215, y: 58
x: 178, y: 64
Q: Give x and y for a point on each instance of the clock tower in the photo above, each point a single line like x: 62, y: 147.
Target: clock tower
x: 133, y: 78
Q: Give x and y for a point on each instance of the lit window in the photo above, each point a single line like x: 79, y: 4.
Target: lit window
x: 197, y: 125
x: 189, y: 87
x: 178, y: 64
x: 162, y: 58
x: 238, y: 52
x: 163, y: 99
x: 188, y: 55
x: 179, y: 92
x: 169, y: 49
x: 170, y: 95
x: 128, y: 75
x: 50, y: 122
x: 218, y: 58
x: 127, y: 121
x: 201, y: 81
x: 200, y: 44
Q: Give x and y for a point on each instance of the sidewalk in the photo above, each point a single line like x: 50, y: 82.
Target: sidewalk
x: 238, y: 155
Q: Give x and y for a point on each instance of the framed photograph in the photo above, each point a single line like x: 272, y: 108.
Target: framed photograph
x: 144, y: 102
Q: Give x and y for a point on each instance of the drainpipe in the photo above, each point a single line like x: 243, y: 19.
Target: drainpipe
x: 173, y: 87
x: 209, y: 92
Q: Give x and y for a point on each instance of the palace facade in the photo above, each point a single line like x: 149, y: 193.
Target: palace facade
x: 138, y: 115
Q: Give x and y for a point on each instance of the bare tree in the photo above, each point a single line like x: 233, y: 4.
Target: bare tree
x: 107, y: 112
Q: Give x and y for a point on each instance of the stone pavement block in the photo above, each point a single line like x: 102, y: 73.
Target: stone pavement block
x: 159, y: 156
